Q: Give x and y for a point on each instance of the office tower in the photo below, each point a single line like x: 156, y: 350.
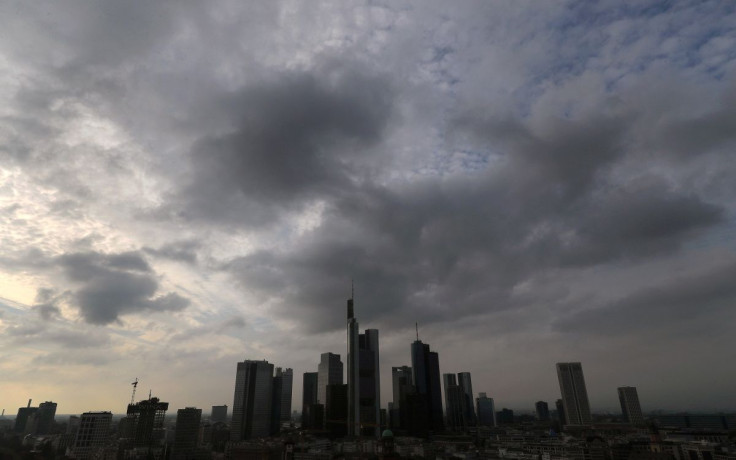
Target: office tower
x: 336, y: 413
x: 426, y: 367
x: 309, y: 395
x: 145, y: 422
x: 561, y: 412
x: 465, y: 382
x: 454, y: 401
x: 252, y: 400
x: 630, y: 407
x: 187, y: 432
x: 21, y: 419
x: 219, y: 414
x: 329, y: 372
x: 402, y: 381
x: 93, y: 434
x: 45, y: 418
x: 486, y: 410
x: 369, y: 383
x: 287, y: 380
x: 277, y: 384
x: 574, y: 394
x: 353, y: 371
x: 542, y: 410
x: 505, y: 416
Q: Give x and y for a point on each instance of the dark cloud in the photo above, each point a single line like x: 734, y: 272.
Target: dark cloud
x: 182, y: 251
x: 111, y: 285
x: 297, y: 137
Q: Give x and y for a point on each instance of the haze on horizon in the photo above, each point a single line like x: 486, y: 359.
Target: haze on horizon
x: 185, y: 185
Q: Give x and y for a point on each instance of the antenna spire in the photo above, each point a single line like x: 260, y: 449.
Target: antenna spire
x: 416, y: 325
x: 352, y: 289
x: 135, y: 385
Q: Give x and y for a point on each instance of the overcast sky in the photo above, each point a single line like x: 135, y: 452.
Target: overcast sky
x: 185, y: 185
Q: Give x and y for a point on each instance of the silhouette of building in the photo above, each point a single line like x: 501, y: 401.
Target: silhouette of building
x: 402, y: 382
x: 336, y: 412
x: 542, y: 410
x: 561, y: 412
x: 21, y: 419
x: 93, y: 433
x: 309, y: 395
x: 466, y: 383
x: 369, y: 384
x: 426, y: 367
x: 454, y: 402
x: 219, y: 414
x: 486, y: 410
x: 574, y: 393
x: 353, y: 372
x: 329, y: 372
x: 252, y: 402
x: 505, y: 416
x: 44, y: 418
x: 287, y: 381
x: 145, y: 422
x: 629, y: 399
x: 186, y: 434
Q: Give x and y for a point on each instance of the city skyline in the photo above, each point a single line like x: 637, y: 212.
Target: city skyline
x: 184, y: 186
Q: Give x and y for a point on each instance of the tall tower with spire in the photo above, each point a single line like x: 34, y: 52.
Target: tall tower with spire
x: 353, y: 370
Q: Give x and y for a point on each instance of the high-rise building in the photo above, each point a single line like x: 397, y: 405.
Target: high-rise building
x: 486, y: 410
x: 505, y: 416
x: 466, y: 383
x: 353, y: 372
x: 93, y: 434
x: 336, y: 413
x: 21, y: 419
x: 454, y: 401
x: 287, y: 381
x: 426, y: 367
x: 44, y: 422
x: 329, y: 372
x: 574, y: 393
x: 309, y: 395
x: 252, y: 414
x: 144, y: 423
x: 402, y: 382
x: 369, y: 382
x: 542, y: 410
x: 561, y: 412
x: 186, y: 433
x: 630, y: 407
x: 219, y: 414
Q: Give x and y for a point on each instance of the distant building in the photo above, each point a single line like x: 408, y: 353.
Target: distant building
x: 369, y: 383
x: 353, y: 363
x: 219, y: 414
x: 466, y: 383
x: 574, y: 393
x: 426, y: 367
x: 454, y: 402
x: 561, y: 412
x: 24, y: 413
x: 252, y: 415
x: 44, y: 422
x: 505, y: 416
x: 542, y: 411
x: 187, y: 433
x: 145, y: 423
x: 92, y: 435
x: 630, y: 407
x: 336, y: 413
x: 287, y: 381
x: 329, y: 373
x: 486, y: 410
x: 402, y: 383
x: 309, y: 395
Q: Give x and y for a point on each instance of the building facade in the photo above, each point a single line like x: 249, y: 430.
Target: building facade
x: 252, y: 414
x: 93, y: 433
x: 186, y: 434
x: 630, y: 407
x: 574, y: 394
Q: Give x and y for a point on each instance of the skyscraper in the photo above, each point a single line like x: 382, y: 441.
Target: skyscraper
x: 402, y: 383
x: 329, y: 372
x: 574, y: 394
x: 145, y: 422
x: 92, y: 434
x: 369, y: 383
x: 466, y: 383
x: 252, y: 401
x: 45, y: 417
x: 542, y: 410
x: 219, y: 414
x: 426, y: 367
x: 561, y: 412
x: 454, y: 401
x: 22, y: 418
x: 187, y: 432
x: 353, y: 370
x: 486, y: 410
x: 629, y: 399
x: 287, y: 384
x: 309, y: 395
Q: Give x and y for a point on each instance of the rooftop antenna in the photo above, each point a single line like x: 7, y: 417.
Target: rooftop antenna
x: 149, y: 394
x: 3, y: 414
x: 352, y: 289
x: 416, y: 325
x: 135, y: 385
x: 29, y: 403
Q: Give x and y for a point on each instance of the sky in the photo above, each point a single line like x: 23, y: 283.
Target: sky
x: 185, y: 185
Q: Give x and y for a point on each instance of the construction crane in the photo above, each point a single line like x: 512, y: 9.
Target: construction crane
x: 135, y: 385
